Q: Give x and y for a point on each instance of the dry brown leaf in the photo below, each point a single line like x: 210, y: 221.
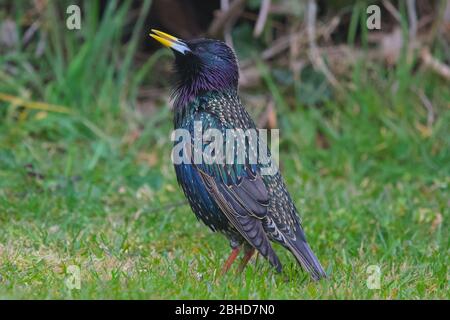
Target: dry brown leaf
x: 151, y: 159
x: 436, y: 222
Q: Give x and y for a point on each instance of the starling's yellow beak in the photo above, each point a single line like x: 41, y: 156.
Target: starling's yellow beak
x: 170, y: 41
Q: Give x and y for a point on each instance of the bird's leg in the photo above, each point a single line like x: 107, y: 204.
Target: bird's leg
x: 230, y: 260
x: 246, y: 258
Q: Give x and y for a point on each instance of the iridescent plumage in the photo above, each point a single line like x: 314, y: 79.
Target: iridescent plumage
x: 235, y: 199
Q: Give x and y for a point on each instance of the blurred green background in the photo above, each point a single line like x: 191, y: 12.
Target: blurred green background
x: 85, y: 123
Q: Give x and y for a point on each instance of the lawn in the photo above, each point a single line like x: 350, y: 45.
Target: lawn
x: 86, y: 182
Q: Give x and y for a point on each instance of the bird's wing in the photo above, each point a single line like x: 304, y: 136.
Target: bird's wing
x: 239, y: 191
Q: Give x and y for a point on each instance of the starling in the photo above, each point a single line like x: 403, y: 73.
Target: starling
x: 235, y: 199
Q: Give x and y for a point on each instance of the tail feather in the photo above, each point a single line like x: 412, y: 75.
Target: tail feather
x: 307, y: 259
x: 253, y: 231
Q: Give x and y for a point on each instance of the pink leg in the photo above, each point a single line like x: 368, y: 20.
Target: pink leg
x: 248, y: 255
x: 230, y: 260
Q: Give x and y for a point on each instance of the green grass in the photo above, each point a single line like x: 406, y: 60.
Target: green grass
x: 94, y: 188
